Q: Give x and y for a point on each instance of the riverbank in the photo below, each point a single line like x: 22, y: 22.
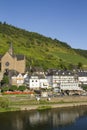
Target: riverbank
x: 21, y: 102
x: 59, y: 103
x: 42, y: 107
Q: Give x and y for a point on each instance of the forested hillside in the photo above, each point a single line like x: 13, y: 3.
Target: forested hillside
x: 81, y: 52
x: 39, y: 50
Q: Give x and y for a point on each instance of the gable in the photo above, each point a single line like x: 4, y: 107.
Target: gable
x: 6, y: 56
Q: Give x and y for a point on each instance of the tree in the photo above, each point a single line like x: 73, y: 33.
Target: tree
x: 79, y: 65
x: 70, y: 66
x: 0, y: 22
x: 4, y: 23
x: 4, y: 89
x: 13, y: 88
x: 84, y: 87
x: 5, y: 80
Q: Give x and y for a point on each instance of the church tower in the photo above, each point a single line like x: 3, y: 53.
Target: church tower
x: 11, y: 49
x: 9, y: 61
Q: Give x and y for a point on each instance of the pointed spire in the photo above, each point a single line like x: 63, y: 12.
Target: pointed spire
x: 11, y: 49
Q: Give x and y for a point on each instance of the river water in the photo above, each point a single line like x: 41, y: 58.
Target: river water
x: 55, y: 119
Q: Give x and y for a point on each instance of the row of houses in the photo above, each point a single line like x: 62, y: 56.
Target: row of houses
x: 61, y: 79
x: 33, y: 81
x: 15, y: 65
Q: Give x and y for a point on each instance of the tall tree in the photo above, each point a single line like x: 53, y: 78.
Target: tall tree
x: 80, y: 65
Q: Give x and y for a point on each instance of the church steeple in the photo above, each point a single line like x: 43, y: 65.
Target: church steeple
x: 11, y: 49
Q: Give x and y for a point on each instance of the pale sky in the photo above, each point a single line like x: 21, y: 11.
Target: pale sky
x: 65, y: 20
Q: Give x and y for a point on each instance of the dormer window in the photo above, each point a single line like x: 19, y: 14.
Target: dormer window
x: 63, y: 73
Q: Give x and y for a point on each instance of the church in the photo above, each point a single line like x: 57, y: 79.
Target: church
x: 10, y: 61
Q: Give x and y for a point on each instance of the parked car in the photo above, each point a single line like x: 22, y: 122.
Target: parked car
x: 56, y: 90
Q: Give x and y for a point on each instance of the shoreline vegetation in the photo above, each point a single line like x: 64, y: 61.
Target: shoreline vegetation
x: 25, y: 102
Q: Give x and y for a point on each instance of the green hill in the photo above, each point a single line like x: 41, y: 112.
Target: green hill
x: 38, y: 49
x: 81, y: 52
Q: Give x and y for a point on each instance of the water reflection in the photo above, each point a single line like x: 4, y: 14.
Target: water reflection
x: 43, y: 120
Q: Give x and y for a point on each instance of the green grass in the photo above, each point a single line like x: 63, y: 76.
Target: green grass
x: 9, y: 109
x: 44, y: 108
x: 39, y: 50
x: 16, y: 103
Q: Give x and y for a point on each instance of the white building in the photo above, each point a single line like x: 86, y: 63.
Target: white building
x: 17, y: 80
x: 70, y: 86
x: 82, y: 77
x: 36, y: 82
x: 44, y: 83
x: 64, y: 80
x: 26, y: 79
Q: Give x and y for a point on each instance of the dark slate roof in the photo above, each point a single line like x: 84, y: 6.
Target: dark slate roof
x: 37, y: 69
x: 13, y: 72
x: 20, y: 57
x: 40, y: 76
x: 61, y: 72
x: 82, y: 73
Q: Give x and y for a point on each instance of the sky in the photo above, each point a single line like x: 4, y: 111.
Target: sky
x: 65, y: 20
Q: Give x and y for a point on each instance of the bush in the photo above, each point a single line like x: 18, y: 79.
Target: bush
x: 84, y: 87
x: 4, y: 103
x: 13, y: 88
x: 4, y: 89
x: 22, y: 88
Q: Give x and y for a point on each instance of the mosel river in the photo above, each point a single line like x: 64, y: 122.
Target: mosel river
x: 55, y: 119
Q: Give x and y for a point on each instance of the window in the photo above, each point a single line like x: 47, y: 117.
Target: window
x: 7, y: 63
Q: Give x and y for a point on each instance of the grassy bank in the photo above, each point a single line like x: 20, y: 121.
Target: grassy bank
x: 9, y: 109
x: 44, y: 107
x: 19, y: 102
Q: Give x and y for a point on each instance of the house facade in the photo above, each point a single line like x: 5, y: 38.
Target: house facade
x: 82, y: 77
x: 17, y: 80
x: 64, y: 80
x: 38, y: 82
x: 34, y: 82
